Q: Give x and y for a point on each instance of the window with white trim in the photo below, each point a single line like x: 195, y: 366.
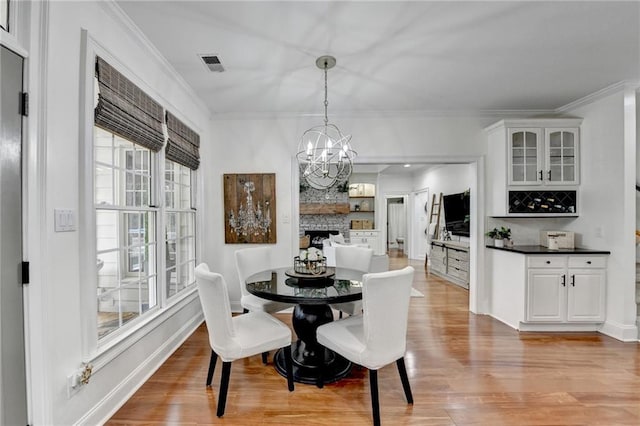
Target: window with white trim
x: 136, y: 142
x: 125, y: 230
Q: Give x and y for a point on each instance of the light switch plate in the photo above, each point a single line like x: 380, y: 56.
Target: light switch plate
x: 65, y: 220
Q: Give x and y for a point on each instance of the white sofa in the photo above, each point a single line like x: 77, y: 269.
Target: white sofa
x: 378, y: 263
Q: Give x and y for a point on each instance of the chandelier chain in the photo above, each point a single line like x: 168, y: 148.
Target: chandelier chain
x: 326, y: 101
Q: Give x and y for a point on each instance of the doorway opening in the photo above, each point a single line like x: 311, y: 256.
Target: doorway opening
x: 396, y: 225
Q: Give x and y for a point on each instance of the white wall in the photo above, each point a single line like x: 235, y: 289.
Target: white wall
x: 268, y: 145
x: 55, y: 307
x: 446, y: 179
x: 602, y: 219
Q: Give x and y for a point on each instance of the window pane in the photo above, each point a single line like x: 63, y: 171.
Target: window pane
x: 172, y: 282
x: 106, y: 230
x: 104, y: 185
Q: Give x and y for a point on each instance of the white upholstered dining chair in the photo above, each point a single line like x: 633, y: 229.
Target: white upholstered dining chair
x: 236, y: 337
x: 351, y: 263
x: 250, y: 261
x: 379, y: 336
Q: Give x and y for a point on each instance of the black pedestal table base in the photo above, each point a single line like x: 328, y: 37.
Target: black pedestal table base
x: 306, y: 351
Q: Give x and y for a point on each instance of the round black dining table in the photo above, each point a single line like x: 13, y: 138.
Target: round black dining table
x: 312, y: 296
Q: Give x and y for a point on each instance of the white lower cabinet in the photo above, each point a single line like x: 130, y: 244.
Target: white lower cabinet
x: 548, y: 292
x: 370, y: 238
x: 565, y: 294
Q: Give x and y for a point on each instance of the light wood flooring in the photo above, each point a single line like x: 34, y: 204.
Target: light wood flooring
x: 464, y: 369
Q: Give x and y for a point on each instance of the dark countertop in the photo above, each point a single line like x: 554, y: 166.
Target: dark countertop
x: 545, y: 250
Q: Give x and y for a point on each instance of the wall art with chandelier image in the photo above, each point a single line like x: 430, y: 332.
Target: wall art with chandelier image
x: 250, y: 208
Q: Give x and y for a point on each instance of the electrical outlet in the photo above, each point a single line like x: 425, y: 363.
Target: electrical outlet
x: 73, y: 384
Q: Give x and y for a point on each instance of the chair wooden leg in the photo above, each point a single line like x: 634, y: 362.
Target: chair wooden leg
x: 264, y: 357
x: 224, y: 386
x: 375, y: 402
x: 289, y: 365
x: 212, y: 367
x: 405, y: 380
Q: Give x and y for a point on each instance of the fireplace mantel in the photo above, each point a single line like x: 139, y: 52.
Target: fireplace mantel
x: 322, y: 208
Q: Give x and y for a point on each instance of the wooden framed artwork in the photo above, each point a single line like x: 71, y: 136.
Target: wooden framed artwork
x: 250, y: 208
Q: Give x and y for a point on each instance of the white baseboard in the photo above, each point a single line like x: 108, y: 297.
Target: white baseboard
x: 569, y: 327
x: 626, y: 333
x: 118, y: 396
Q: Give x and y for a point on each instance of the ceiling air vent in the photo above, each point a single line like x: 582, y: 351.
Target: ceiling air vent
x: 212, y: 62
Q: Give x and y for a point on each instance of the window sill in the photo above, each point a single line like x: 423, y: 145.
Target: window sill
x: 113, y: 347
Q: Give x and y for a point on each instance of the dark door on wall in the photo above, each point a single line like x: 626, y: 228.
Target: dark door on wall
x: 13, y: 394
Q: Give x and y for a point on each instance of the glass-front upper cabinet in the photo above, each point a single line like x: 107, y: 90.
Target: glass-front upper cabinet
x: 534, y: 161
x: 525, y: 159
x: 562, y: 156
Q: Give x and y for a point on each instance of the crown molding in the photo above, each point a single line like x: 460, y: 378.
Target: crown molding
x: 386, y: 113
x: 602, y: 93
x: 112, y: 8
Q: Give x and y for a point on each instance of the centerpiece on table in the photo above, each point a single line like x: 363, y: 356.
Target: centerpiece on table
x: 310, y: 261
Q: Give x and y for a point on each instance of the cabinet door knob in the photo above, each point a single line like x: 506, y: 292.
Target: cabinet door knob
x: 573, y: 280
x: 549, y: 175
x: 540, y: 174
x: 564, y: 280
x: 588, y: 262
x: 548, y: 262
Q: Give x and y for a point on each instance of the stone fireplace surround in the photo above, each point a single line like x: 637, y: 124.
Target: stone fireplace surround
x: 326, y: 223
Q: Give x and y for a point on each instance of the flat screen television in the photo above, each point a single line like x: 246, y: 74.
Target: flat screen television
x: 457, y: 212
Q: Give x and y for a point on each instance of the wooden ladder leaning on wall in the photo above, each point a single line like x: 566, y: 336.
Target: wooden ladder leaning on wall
x: 434, y: 211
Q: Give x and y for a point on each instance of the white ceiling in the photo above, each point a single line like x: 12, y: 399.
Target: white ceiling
x: 394, y: 56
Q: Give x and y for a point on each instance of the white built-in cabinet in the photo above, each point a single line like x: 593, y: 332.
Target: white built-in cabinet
x: 450, y: 260
x: 542, y: 156
x: 368, y: 237
x: 548, y: 292
x: 565, y: 289
x: 531, y: 155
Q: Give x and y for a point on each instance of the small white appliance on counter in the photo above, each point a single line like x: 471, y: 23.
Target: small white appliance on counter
x: 565, y: 239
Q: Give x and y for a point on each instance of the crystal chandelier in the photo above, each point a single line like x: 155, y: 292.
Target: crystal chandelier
x: 250, y: 220
x: 324, y: 153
